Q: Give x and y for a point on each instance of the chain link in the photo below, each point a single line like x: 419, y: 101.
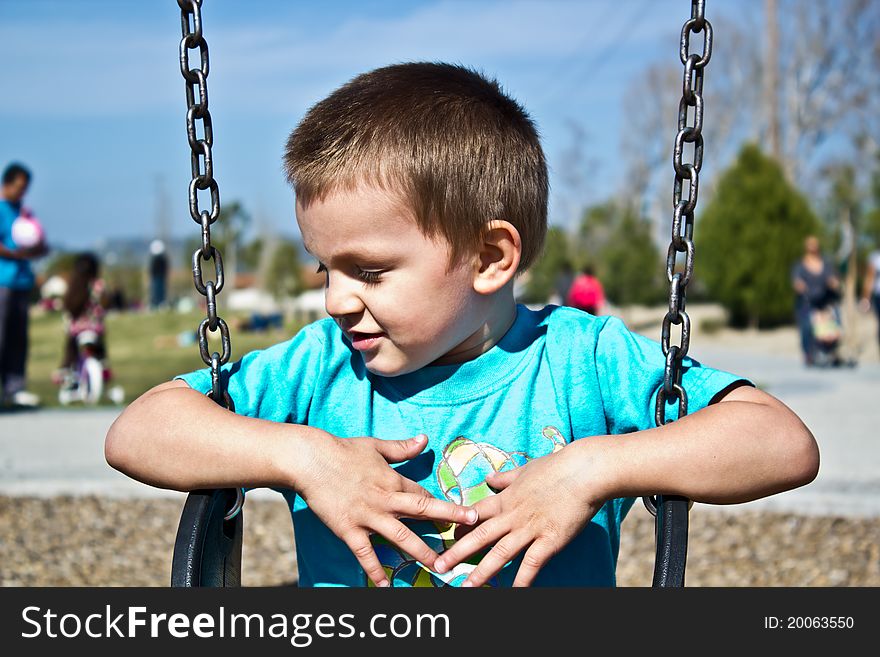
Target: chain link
x: 690, y: 106
x: 198, y: 122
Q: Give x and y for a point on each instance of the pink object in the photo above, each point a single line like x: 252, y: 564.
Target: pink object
x: 586, y: 294
x: 27, y: 231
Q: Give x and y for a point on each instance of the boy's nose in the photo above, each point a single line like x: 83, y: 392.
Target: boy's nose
x: 340, y: 298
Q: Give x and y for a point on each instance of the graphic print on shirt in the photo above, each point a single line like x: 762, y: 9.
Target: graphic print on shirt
x: 461, y: 474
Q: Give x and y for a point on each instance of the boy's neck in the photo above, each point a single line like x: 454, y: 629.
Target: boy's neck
x: 497, y: 324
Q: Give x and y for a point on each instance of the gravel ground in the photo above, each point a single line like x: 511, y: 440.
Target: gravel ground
x: 81, y: 541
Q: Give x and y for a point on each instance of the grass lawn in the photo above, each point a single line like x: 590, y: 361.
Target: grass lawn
x: 143, y: 349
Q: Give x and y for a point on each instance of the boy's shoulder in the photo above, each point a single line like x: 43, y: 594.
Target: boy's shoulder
x: 311, y: 344
x: 568, y: 318
x: 568, y: 328
x: 321, y: 337
x: 589, y: 345
x: 321, y: 332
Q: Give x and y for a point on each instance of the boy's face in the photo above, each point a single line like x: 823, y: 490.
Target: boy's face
x: 387, y: 284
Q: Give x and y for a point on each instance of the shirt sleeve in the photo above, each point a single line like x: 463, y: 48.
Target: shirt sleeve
x: 275, y: 384
x: 630, y: 371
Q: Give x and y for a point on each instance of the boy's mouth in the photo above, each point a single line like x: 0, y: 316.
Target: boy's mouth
x: 365, y: 341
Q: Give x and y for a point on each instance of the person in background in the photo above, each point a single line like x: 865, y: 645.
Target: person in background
x: 16, y: 283
x: 817, y: 287
x: 871, y: 287
x: 158, y: 274
x: 586, y: 292
x: 85, y: 305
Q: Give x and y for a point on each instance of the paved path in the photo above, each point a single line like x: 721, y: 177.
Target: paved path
x: 61, y: 452
x: 56, y: 452
x: 842, y: 409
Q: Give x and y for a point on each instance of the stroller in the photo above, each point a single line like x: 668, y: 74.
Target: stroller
x: 828, y: 336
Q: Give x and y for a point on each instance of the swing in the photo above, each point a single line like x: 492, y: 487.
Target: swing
x: 207, y: 550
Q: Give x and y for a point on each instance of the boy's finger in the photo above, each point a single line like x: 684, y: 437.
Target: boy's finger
x: 366, y: 556
x: 500, y: 555
x: 395, y: 451
x: 404, y: 538
x: 409, y: 486
x: 478, y: 538
x: 501, y: 480
x: 488, y: 507
x: 409, y: 505
x: 533, y: 560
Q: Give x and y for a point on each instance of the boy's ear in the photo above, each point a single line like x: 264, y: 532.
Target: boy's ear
x: 498, y: 257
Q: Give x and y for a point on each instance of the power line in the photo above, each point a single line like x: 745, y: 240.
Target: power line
x: 600, y: 59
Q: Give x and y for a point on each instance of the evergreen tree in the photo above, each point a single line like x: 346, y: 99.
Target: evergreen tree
x: 749, y: 238
x: 544, y: 272
x: 631, y: 269
x: 617, y: 243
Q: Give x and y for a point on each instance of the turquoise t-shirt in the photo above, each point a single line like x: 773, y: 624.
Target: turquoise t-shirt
x: 557, y: 375
x: 15, y: 274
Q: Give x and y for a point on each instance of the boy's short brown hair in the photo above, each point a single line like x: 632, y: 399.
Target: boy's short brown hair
x: 459, y: 149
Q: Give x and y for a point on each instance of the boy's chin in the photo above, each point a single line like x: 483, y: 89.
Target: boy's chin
x: 387, y: 368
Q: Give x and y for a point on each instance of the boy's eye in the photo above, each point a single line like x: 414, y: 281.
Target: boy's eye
x: 368, y: 277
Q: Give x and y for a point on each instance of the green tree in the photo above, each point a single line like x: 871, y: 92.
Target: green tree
x: 616, y: 241
x: 544, y: 272
x: 283, y: 274
x: 594, y: 234
x: 631, y: 268
x: 250, y: 255
x: 750, y: 236
x: 871, y: 227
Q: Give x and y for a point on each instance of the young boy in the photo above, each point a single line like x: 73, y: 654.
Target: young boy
x: 421, y: 189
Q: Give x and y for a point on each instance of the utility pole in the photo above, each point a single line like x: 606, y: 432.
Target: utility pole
x: 771, y: 81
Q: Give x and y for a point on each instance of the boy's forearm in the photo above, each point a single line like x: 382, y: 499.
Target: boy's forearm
x: 175, y: 437
x: 731, y: 452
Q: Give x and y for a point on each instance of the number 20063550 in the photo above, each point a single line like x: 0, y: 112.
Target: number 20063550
x: 808, y: 622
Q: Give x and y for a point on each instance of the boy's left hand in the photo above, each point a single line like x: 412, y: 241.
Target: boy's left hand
x: 541, y: 507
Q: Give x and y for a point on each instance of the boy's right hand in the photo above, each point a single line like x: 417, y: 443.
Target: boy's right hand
x: 350, y: 487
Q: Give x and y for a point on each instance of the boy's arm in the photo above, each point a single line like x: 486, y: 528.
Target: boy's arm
x: 175, y: 437
x: 746, y: 446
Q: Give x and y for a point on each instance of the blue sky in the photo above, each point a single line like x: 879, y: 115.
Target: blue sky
x: 93, y: 100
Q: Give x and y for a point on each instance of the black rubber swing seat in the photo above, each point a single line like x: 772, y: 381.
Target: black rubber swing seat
x: 207, y: 551
x: 671, y: 529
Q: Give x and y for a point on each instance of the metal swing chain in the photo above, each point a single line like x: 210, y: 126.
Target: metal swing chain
x: 202, y: 162
x: 683, y: 216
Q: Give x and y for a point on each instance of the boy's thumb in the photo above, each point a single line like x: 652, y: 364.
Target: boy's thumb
x: 396, y: 451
